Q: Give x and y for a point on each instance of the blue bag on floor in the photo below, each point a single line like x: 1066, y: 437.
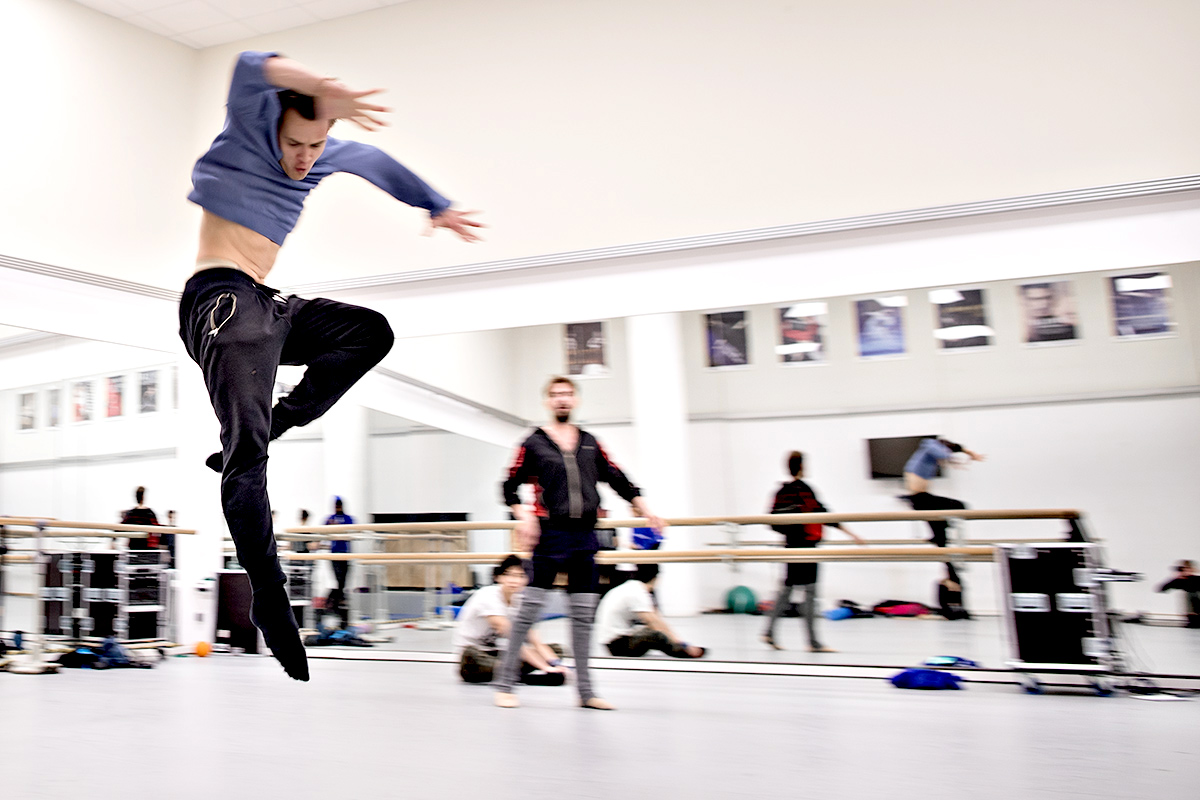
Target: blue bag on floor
x: 926, y: 679
x: 839, y: 613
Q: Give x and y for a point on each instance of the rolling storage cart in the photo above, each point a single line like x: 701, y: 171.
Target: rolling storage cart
x: 1056, y: 612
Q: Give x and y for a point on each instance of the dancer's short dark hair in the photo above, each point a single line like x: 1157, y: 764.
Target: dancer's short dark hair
x: 647, y: 572
x: 140, y: 494
x: 795, y: 462
x: 511, y: 560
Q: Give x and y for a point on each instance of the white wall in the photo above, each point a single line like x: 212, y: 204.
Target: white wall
x: 99, y: 139
x: 578, y: 125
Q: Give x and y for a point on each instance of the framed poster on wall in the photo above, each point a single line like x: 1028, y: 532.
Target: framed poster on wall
x: 727, y: 344
x: 1048, y: 312
x: 880, y: 323
x: 81, y: 401
x: 148, y: 391
x: 53, y: 404
x: 802, y: 333
x: 26, y: 411
x: 961, y: 318
x: 114, y: 396
x: 586, y: 346
x: 1141, y: 304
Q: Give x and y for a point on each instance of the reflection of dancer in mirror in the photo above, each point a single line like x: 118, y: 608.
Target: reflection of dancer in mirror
x: 797, y: 497
x: 564, y: 463
x: 1187, y: 581
x: 252, y: 184
x: 921, y: 467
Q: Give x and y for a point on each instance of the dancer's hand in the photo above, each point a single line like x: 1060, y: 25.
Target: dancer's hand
x: 336, y: 100
x: 457, y: 221
x: 528, y: 530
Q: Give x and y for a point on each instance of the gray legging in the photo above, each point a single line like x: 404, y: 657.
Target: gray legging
x: 583, y: 611
x: 808, y: 609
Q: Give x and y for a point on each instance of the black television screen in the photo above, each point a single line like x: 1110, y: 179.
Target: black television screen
x: 888, y: 456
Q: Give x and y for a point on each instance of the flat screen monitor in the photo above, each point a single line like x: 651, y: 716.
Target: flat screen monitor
x: 888, y: 456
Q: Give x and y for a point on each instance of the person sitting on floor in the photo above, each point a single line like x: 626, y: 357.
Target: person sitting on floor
x: 1187, y: 581
x: 484, y: 622
x: 629, y: 625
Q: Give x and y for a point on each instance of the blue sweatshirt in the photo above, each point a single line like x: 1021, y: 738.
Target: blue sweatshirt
x: 240, y: 179
x: 924, y: 462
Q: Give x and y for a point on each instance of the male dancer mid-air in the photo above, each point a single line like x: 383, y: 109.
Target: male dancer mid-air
x: 252, y: 184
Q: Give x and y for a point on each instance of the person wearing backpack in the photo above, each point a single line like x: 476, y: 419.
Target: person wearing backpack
x: 797, y: 497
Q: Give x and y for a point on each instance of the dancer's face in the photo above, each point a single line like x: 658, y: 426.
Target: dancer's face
x: 302, y: 141
x: 561, y: 401
x: 513, y: 579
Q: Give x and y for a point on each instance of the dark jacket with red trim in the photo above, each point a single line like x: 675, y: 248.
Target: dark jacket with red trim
x: 797, y: 497
x: 565, y: 494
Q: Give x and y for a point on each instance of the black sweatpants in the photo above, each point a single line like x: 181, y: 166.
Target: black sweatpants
x: 239, y: 332
x: 924, y: 501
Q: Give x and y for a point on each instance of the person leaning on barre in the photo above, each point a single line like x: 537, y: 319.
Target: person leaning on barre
x: 628, y: 624
x: 483, y: 629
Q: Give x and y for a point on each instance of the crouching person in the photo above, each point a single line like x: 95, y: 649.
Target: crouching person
x: 629, y: 625
x: 483, y: 628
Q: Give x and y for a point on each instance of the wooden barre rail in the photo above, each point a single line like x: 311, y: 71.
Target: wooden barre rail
x: 826, y: 518
x: 54, y: 529
x: 731, y: 554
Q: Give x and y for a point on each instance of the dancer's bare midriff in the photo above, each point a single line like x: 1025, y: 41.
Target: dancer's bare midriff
x: 228, y: 244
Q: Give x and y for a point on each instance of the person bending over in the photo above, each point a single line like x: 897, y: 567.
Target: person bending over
x: 1187, y: 581
x: 919, y: 470
x: 629, y: 625
x: 797, y: 497
x: 252, y: 183
x: 486, y: 620
x: 564, y: 463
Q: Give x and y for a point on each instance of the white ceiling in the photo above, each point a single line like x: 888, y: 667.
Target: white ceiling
x: 204, y: 23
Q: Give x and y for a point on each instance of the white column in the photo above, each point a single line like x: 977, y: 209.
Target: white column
x: 658, y: 395
x: 344, y: 459
x: 197, y: 503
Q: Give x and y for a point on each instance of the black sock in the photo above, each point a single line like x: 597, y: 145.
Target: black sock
x: 271, y: 613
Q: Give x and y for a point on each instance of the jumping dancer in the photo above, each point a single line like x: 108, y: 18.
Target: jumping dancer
x: 252, y: 183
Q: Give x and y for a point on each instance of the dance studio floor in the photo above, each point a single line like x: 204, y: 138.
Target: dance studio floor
x: 233, y: 727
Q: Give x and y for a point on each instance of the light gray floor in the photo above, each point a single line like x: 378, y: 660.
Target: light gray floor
x: 875, y: 641
x: 233, y: 727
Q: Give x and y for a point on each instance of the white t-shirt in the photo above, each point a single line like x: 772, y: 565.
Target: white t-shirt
x: 619, y: 610
x: 473, y: 627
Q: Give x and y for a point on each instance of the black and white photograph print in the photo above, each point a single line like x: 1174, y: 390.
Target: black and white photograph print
x: 802, y: 333
x: 1142, y: 304
x: 961, y: 318
x: 585, y: 344
x: 880, y: 323
x: 148, y: 391
x: 727, y: 342
x: 1048, y: 312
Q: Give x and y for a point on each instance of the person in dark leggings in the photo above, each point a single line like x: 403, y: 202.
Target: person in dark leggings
x: 797, y: 497
x: 564, y: 463
x: 921, y: 467
x: 252, y: 183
